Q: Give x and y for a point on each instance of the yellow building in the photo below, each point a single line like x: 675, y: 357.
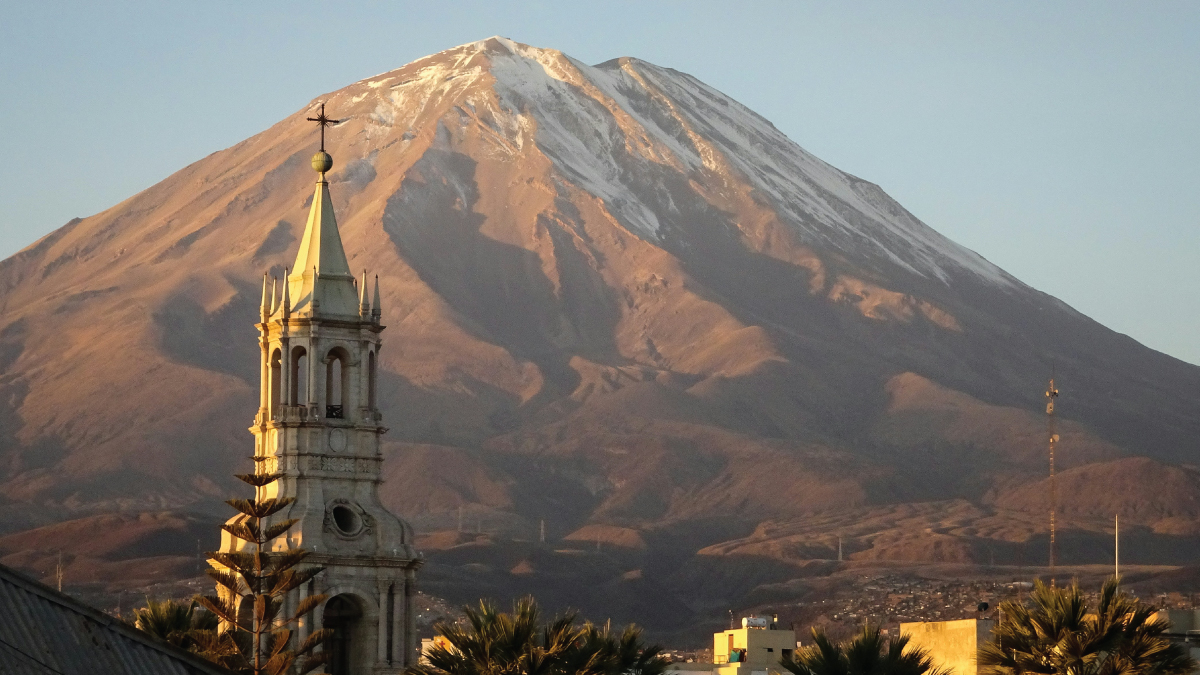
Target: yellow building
x: 953, y: 645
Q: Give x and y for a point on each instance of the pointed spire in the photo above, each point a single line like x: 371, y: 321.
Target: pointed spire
x: 376, y: 305
x: 264, y: 309
x: 286, y: 303
x: 274, y: 305
x: 364, y: 306
x: 322, y: 278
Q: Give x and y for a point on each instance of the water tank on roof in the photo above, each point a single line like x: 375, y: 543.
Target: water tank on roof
x: 754, y: 622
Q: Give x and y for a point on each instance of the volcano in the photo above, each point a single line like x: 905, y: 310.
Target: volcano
x: 622, y: 309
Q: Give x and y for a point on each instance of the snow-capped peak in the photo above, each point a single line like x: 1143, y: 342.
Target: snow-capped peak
x: 590, y: 120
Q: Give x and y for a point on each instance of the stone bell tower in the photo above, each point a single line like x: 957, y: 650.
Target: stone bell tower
x: 319, y: 425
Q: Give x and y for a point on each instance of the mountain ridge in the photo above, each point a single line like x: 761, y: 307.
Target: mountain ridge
x: 615, y: 298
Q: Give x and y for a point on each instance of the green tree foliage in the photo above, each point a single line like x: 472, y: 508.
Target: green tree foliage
x: 492, y: 642
x: 867, y: 653
x: 1058, y: 632
x: 173, y: 621
x: 255, y: 636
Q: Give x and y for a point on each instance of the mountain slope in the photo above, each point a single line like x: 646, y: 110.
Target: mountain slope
x: 614, y: 296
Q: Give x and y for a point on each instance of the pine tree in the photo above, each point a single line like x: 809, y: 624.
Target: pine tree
x: 258, y: 578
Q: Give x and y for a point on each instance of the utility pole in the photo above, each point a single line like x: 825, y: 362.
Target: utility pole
x: 839, y: 549
x: 460, y: 518
x: 59, y: 571
x: 1051, y: 395
x: 1117, y: 546
x: 542, y: 531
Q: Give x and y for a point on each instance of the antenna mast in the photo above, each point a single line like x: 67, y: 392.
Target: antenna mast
x: 1051, y: 395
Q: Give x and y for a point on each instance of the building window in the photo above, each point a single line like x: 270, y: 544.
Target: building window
x: 371, y: 380
x: 274, y: 385
x: 299, y: 378
x: 337, y: 383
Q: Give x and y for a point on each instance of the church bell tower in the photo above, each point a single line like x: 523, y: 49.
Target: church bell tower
x: 319, y: 425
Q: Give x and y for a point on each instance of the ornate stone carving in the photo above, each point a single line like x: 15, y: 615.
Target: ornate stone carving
x: 337, y: 440
x: 347, y: 519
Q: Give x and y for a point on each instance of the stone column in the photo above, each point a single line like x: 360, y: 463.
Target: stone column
x: 381, y: 631
x: 313, y: 361
x: 264, y: 393
x: 302, y: 626
x: 363, y: 402
x: 399, y: 653
x: 410, y: 617
x: 285, y: 373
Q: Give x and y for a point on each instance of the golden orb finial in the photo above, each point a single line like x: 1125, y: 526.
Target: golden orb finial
x: 322, y: 162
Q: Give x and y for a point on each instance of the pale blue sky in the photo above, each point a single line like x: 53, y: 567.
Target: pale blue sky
x: 1061, y: 140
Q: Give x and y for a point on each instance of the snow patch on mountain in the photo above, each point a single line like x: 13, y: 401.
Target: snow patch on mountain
x: 585, y: 118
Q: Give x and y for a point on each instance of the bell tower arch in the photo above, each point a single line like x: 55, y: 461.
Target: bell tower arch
x: 319, y: 424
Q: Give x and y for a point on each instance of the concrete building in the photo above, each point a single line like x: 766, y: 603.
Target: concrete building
x: 753, y: 649
x: 318, y: 423
x: 1185, y: 629
x: 951, y: 644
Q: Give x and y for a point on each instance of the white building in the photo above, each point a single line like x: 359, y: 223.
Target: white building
x: 754, y: 649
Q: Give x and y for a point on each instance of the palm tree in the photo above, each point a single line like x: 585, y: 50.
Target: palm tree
x: 492, y: 642
x: 867, y: 653
x: 173, y: 621
x: 1060, y: 634
x: 634, y: 657
x: 599, y: 650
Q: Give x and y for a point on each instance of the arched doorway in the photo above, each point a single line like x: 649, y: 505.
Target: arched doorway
x: 342, y: 616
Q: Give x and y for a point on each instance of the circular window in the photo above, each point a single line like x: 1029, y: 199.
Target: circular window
x: 346, y: 520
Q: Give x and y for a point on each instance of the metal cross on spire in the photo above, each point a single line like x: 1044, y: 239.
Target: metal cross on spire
x: 323, y: 121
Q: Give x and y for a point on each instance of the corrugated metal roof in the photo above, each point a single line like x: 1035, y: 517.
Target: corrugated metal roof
x: 43, y: 632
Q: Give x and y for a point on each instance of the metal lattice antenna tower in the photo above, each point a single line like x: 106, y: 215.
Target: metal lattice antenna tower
x: 1051, y: 395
